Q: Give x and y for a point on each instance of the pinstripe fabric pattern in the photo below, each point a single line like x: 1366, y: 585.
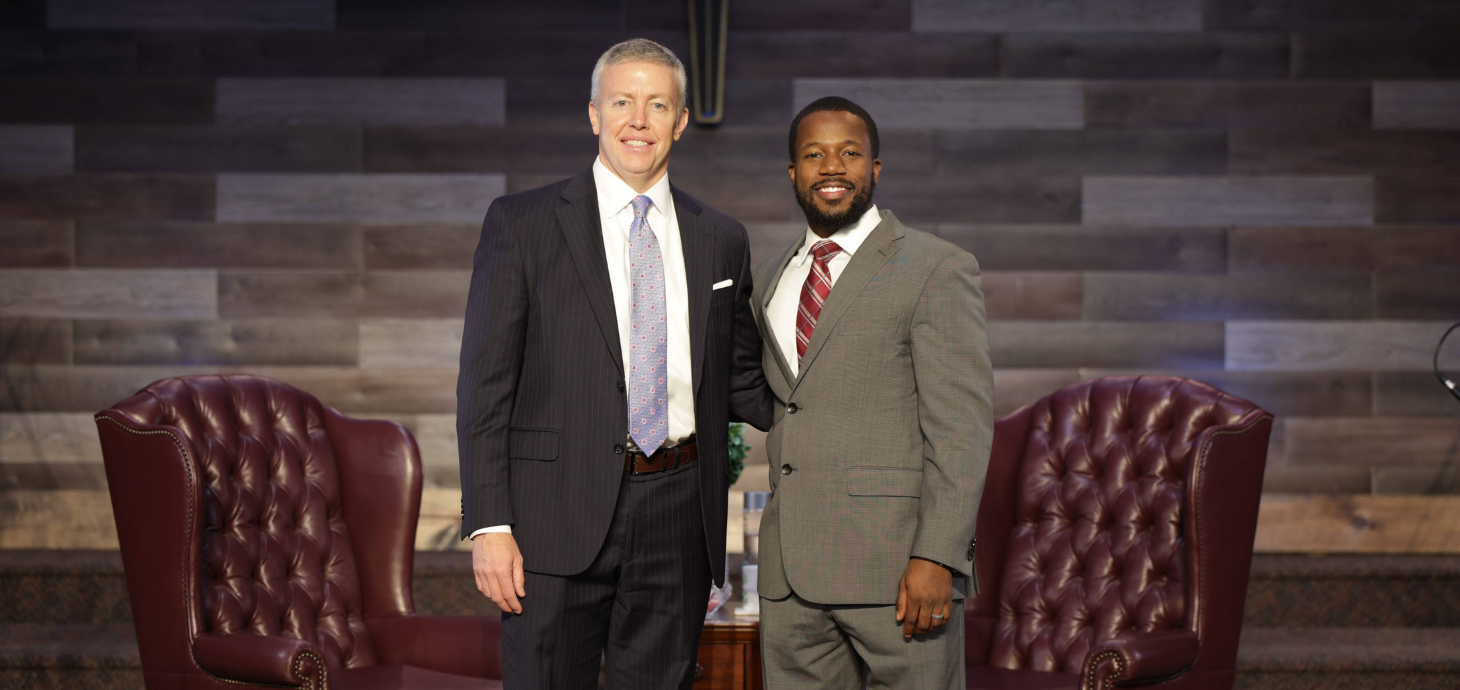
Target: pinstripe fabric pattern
x: 885, y: 455
x: 542, y: 416
x: 642, y: 600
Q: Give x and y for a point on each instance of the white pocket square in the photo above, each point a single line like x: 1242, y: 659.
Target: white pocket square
x: 722, y: 284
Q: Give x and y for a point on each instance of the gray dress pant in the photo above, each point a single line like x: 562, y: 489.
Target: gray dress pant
x: 831, y: 647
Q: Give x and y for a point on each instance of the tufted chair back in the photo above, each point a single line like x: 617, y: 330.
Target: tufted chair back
x: 245, y: 499
x: 1098, y: 522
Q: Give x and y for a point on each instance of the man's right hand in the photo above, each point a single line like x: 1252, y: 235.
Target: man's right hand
x: 497, y: 564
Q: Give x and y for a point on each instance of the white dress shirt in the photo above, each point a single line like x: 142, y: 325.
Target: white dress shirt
x: 615, y: 215
x: 785, y: 301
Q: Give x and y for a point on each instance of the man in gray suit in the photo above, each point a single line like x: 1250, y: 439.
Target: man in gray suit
x: 876, y: 349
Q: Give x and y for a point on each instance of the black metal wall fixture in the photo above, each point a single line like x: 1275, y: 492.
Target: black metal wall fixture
x: 708, y: 22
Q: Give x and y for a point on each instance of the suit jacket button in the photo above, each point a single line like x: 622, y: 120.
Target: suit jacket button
x: 620, y: 386
x: 792, y: 408
x: 618, y: 449
x: 787, y: 469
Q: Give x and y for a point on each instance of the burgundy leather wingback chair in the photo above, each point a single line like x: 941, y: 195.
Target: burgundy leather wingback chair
x: 1115, y: 537
x: 268, y: 541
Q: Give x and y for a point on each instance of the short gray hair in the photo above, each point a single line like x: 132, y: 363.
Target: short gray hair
x: 640, y: 50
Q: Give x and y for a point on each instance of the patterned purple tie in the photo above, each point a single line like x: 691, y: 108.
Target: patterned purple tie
x: 648, y: 336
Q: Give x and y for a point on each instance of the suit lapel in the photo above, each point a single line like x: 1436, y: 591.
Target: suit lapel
x: 698, y: 246
x: 869, y: 259
x: 763, y: 301
x: 583, y: 231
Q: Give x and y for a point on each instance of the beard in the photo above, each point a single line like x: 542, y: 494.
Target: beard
x: 839, y: 218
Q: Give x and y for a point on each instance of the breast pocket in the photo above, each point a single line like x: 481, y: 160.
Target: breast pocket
x: 532, y: 444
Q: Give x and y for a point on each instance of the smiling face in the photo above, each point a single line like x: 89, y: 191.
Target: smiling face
x: 637, y: 115
x: 833, y: 172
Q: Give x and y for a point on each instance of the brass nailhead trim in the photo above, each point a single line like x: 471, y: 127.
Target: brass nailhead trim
x: 188, y: 538
x: 1094, y: 663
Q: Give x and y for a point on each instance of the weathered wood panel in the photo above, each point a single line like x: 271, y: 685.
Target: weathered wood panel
x: 1082, y: 152
x: 1416, y: 480
x: 1032, y: 296
x: 1429, y: 199
x: 1074, y: 16
x: 1148, y: 56
x: 219, y: 149
x: 35, y: 150
x: 48, y: 437
x: 1229, y: 200
x: 484, y: 149
x: 1105, y: 344
x: 1316, y: 480
x: 468, y: 15
x: 768, y: 240
x: 107, y: 196
x: 1015, y: 388
x: 1416, y: 105
x: 282, y: 341
x: 83, y: 294
x: 1328, y: 15
x: 1372, y: 441
x: 536, y: 55
x: 776, y: 54
x: 746, y: 198
x: 404, y: 343
x: 1311, y: 151
x: 1285, y: 394
x: 185, y: 14
x: 36, y: 243
x: 1415, y: 394
x: 349, y: 389
x: 1329, y: 345
x: 107, y: 101
x: 65, y: 519
x: 420, y: 246
x: 374, y: 198
x: 52, y: 475
x: 818, y: 15
x: 386, y: 294
x: 1326, y: 105
x: 1358, y: 524
x: 1422, y: 54
x: 161, y: 244
x: 1158, y: 296
x: 1259, y: 250
x: 419, y: 102
x: 955, y: 103
x: 65, y: 53
x: 1090, y: 247
x: 279, y: 53
x: 35, y: 341
x: 922, y: 200
x: 1418, y: 293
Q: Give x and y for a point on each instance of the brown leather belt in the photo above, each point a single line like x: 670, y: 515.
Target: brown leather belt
x: 664, y: 459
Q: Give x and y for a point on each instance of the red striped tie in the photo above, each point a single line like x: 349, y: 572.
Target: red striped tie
x: 814, y: 293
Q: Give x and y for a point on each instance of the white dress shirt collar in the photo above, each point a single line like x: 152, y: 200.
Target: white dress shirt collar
x: 849, y: 238
x: 614, y: 195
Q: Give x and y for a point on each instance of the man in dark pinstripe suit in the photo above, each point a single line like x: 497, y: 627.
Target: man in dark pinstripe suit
x: 609, y: 340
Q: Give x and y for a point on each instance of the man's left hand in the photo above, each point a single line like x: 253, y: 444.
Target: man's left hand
x: 925, y: 590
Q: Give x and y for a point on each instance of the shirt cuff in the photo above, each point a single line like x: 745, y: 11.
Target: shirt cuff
x: 494, y: 529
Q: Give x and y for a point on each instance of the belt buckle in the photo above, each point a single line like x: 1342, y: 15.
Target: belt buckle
x: 667, y: 453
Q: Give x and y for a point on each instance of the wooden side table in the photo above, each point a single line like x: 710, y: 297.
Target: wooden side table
x: 729, y: 656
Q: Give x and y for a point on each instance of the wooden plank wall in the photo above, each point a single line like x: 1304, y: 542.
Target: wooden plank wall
x: 1262, y: 194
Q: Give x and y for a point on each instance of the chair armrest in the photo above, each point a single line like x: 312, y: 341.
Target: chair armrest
x: 459, y: 645
x: 1140, y: 657
x: 261, y: 659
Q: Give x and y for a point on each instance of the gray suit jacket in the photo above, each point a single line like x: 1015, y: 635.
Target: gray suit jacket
x: 884, y: 455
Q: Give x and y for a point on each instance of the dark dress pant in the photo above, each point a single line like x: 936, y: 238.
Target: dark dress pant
x: 641, y: 604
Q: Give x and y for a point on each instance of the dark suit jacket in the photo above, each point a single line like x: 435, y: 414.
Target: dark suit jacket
x: 541, y: 410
